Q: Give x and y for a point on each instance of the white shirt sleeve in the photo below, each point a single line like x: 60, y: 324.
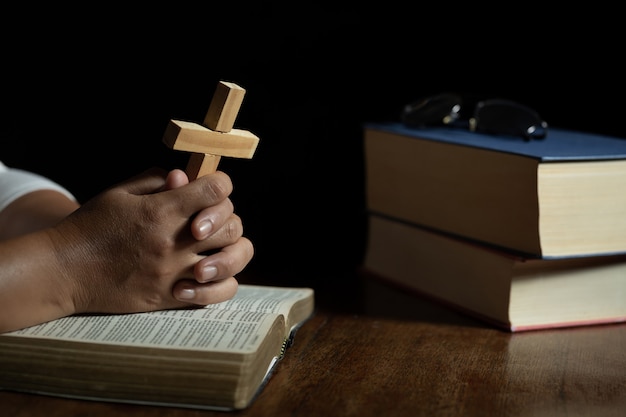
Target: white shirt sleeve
x: 15, y: 183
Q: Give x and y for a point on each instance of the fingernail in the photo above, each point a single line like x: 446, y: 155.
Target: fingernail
x: 187, y: 294
x: 209, y: 272
x: 205, y: 227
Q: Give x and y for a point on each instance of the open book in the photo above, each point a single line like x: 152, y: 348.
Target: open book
x: 217, y: 357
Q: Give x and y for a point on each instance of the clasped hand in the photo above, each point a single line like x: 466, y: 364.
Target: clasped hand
x: 155, y: 241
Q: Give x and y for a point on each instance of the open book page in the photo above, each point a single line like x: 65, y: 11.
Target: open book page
x: 235, y: 325
x: 198, y: 329
x: 295, y: 304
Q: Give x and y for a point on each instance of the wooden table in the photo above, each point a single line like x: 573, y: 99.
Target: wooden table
x: 384, y: 353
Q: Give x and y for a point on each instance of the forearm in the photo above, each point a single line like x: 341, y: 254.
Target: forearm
x: 33, y: 288
x: 34, y: 211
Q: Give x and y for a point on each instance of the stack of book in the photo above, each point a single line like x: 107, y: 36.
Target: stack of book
x: 523, y: 234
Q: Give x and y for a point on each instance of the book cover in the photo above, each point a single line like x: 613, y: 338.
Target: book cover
x: 559, y: 144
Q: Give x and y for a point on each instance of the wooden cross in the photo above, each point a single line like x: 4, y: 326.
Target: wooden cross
x: 216, y: 137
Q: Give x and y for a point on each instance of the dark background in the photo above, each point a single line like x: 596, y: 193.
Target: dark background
x: 87, y: 93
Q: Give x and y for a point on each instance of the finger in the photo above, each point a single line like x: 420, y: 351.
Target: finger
x: 229, y: 261
x: 227, y: 234
x: 175, y: 178
x: 199, y: 194
x: 219, y: 260
x: 211, y: 219
x: 189, y: 291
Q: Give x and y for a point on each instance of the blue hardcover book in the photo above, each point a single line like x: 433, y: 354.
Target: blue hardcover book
x: 561, y: 196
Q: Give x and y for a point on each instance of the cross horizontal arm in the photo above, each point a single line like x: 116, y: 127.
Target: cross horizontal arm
x: 192, y: 137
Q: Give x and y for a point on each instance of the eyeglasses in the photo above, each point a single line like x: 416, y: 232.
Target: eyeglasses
x: 493, y: 116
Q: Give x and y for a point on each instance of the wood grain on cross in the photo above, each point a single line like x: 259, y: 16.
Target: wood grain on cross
x: 215, y: 137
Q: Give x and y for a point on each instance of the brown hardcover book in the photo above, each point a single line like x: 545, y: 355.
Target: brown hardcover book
x: 217, y: 357
x: 561, y: 196
x: 509, y: 290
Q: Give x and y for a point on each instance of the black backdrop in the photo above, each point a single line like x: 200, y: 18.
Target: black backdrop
x: 87, y: 94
